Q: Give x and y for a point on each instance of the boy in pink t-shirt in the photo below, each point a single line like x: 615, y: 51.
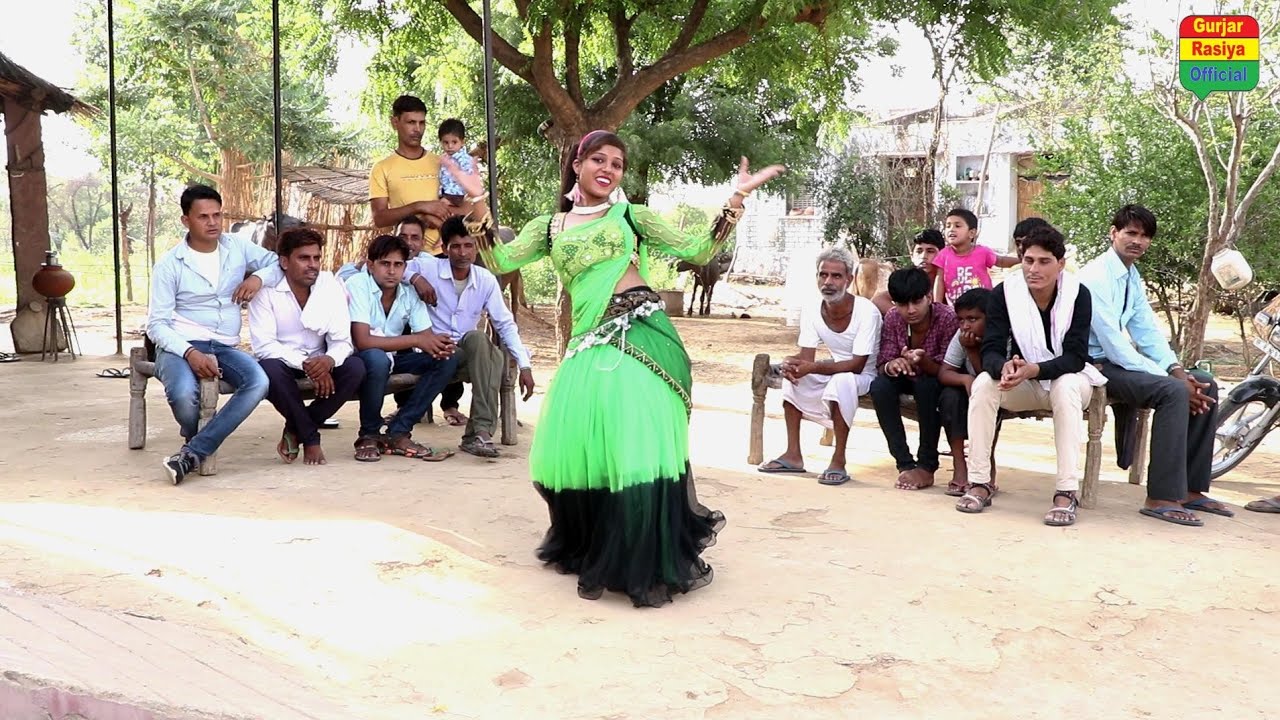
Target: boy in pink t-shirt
x: 964, y: 265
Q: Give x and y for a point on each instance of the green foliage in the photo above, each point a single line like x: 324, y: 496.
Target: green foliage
x: 853, y: 198
x: 194, y: 79
x: 1127, y: 152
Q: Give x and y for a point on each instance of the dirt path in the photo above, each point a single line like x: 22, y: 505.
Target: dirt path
x: 410, y: 590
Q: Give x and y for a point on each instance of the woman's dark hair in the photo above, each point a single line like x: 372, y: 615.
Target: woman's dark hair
x: 975, y: 299
x: 1135, y: 215
x: 454, y: 127
x: 908, y: 284
x: 596, y: 139
x: 384, y: 245
x: 294, y: 238
x: 1046, y: 237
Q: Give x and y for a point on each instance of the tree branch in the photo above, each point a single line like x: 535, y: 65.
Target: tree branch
x: 195, y: 170
x: 1256, y: 188
x: 198, y: 98
x: 1239, y: 125
x: 615, y: 105
x: 542, y: 75
x: 504, y: 52
x: 1191, y: 126
x: 572, y: 55
x: 691, y: 24
x: 622, y: 33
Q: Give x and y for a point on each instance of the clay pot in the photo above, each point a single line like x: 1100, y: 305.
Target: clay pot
x: 51, y: 280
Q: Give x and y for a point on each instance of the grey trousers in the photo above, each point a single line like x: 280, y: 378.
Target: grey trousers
x: 481, y: 364
x: 1181, y: 443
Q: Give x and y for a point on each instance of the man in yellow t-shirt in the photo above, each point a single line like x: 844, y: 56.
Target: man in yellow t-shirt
x: 407, y: 182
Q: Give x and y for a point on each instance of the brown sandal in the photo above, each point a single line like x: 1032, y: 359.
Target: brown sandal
x: 405, y: 445
x: 367, y: 449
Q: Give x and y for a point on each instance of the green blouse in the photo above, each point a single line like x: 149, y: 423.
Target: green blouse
x: 591, y: 257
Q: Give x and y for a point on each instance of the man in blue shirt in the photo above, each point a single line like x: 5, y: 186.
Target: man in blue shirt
x: 381, y: 307
x: 194, y: 321
x: 1143, y: 372
x: 464, y: 292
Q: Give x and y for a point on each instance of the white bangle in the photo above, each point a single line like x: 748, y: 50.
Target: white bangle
x: 478, y: 198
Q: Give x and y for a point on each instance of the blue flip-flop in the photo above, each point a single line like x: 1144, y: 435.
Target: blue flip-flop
x: 1161, y: 513
x: 1205, y: 504
x: 783, y: 466
x: 831, y: 476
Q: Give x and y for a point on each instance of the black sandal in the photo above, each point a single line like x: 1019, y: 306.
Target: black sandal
x: 1070, y: 510
x: 982, y: 503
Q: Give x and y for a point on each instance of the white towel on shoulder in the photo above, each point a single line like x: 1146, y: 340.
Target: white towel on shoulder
x: 326, y: 314
x: 1028, y: 328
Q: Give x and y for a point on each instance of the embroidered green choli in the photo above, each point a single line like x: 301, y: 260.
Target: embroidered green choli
x: 590, y: 258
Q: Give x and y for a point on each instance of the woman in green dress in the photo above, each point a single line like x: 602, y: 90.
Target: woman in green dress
x: 610, y: 455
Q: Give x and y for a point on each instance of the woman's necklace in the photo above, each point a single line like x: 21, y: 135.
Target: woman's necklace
x: 588, y: 209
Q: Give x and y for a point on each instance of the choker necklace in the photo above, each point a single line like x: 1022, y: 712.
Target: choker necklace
x: 589, y: 209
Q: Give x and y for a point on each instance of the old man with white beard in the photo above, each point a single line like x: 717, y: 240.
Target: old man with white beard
x: 827, y: 391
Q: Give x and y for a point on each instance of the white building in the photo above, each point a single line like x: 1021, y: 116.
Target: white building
x: 988, y: 153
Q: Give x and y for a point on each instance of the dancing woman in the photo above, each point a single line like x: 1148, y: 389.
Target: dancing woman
x: 611, y: 452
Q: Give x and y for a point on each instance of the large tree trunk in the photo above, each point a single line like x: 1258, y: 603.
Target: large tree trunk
x: 125, y: 249
x: 236, y: 185
x: 29, y: 205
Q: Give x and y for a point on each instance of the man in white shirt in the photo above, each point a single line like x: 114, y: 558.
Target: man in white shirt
x: 464, y: 291
x: 827, y: 391
x: 300, y: 327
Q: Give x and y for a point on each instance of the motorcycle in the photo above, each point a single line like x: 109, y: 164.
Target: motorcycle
x: 1252, y: 408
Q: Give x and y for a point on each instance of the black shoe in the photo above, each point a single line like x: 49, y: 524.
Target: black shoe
x: 330, y: 424
x: 180, y: 465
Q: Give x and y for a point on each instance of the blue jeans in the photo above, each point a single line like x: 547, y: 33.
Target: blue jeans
x: 239, y: 370
x: 434, y: 375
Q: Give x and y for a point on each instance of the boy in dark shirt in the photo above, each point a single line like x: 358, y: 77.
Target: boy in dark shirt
x: 960, y: 366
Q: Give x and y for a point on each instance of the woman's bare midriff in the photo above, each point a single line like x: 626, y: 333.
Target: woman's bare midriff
x: 630, y: 279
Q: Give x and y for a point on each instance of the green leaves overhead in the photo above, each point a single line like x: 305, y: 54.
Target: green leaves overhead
x: 196, y: 78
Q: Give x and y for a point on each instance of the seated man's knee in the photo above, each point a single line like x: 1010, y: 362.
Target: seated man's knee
x: 474, y: 339
x: 984, y: 386
x: 254, y: 381
x: 376, y: 363
x: 1073, y: 389
x: 1170, y: 391
x: 883, y: 386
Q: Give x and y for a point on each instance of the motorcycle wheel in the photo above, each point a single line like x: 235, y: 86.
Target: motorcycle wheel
x: 1235, y: 422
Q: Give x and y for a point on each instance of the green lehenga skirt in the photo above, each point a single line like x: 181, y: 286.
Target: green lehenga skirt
x: 611, y: 459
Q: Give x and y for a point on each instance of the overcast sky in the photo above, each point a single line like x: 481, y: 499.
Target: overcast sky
x: 45, y: 49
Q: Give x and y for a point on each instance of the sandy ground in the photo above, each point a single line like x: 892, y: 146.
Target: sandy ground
x: 410, y: 590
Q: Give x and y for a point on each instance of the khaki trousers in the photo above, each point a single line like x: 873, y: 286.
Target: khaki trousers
x: 1067, y: 396
x: 481, y: 364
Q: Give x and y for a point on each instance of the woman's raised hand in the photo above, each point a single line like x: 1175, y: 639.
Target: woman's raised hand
x: 748, y: 181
